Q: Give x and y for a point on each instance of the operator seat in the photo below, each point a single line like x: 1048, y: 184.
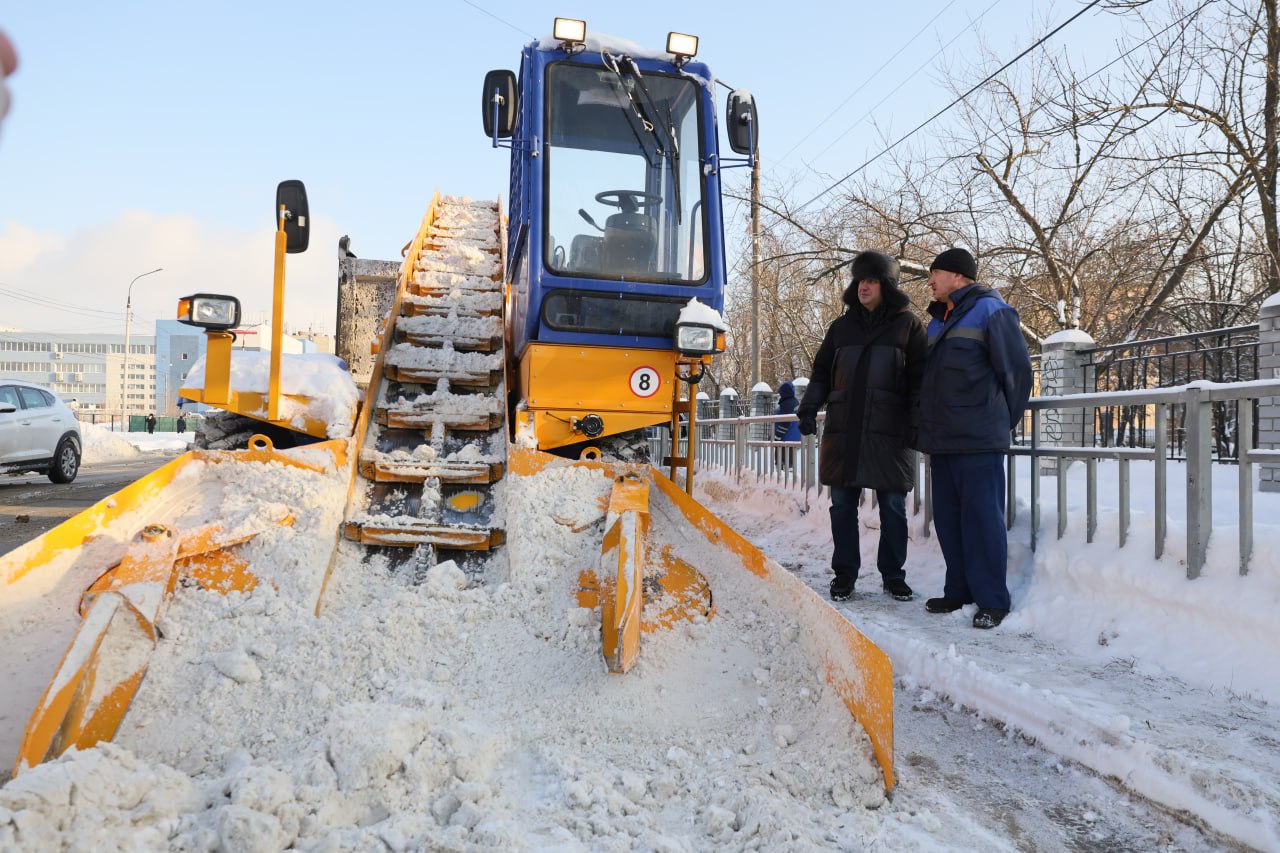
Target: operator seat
x: 586, y: 253
x: 629, y: 243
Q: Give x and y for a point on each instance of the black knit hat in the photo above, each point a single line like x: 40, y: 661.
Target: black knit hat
x: 958, y: 261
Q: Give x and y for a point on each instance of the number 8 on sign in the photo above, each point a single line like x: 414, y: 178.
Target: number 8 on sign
x: 645, y: 381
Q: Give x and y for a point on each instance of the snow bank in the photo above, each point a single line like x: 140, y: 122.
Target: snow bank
x: 103, y: 445
x: 323, y: 379
x: 459, y: 712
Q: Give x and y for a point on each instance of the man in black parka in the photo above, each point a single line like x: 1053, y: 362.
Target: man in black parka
x: 867, y: 372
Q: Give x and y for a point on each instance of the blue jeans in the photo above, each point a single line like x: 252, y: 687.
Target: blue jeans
x: 891, y: 556
x: 968, y: 515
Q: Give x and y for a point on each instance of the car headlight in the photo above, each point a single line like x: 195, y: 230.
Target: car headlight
x: 695, y: 339
x: 209, y: 311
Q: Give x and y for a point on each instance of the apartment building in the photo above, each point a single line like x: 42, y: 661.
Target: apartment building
x: 86, y: 368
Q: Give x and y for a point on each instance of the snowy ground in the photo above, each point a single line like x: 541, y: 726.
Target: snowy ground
x: 1113, y: 660
x: 104, y: 445
x: 473, y: 712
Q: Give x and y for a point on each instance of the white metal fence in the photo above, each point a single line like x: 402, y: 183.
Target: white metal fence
x: 742, y: 447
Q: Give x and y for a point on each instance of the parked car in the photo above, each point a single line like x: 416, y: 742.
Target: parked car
x: 38, y: 432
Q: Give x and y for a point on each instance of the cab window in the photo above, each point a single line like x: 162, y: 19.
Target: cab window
x: 623, y: 175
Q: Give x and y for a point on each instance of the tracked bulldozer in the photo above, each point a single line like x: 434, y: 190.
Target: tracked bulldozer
x: 505, y: 346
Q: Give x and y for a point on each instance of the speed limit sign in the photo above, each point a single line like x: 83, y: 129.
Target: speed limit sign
x: 645, y: 381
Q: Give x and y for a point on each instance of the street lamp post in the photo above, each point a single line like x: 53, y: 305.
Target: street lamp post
x: 128, y: 319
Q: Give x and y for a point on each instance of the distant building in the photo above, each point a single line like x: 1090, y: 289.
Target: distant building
x: 178, y: 348
x: 86, y: 368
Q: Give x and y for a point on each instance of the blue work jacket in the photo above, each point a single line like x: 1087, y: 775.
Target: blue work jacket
x: 977, y: 375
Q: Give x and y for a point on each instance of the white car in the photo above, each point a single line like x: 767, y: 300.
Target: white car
x: 38, y: 432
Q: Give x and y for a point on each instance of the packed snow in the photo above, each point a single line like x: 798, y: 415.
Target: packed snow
x: 313, y: 385
x: 102, y: 444
x: 457, y: 711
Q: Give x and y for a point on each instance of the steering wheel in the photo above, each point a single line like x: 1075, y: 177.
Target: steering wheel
x: 630, y: 201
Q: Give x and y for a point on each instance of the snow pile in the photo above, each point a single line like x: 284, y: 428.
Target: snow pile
x: 444, y: 358
x: 460, y: 712
x: 320, y: 377
x: 104, y: 445
x: 704, y: 315
x: 442, y: 709
x: 448, y: 297
x: 461, y: 258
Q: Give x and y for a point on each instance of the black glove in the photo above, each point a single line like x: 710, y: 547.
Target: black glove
x: 808, y: 422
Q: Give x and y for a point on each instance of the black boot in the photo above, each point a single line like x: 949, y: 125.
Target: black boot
x: 841, y: 588
x: 898, y: 589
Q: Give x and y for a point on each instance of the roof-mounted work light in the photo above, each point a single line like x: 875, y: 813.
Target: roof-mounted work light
x: 209, y: 311
x: 684, y: 47
x: 569, y: 31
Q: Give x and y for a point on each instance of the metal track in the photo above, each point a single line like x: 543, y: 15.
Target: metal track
x: 436, y: 440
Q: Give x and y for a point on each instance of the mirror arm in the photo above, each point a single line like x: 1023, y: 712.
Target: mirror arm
x: 739, y: 162
x: 497, y: 105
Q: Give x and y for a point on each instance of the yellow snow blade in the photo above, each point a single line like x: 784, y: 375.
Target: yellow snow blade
x: 78, y: 529
x: 101, y: 670
x: 219, y: 571
x: 99, y: 674
x: 855, y: 667
x: 622, y: 571
x: 858, y: 670
x: 674, y: 591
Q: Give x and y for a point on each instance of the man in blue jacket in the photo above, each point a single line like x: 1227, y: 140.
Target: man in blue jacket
x: 977, y: 379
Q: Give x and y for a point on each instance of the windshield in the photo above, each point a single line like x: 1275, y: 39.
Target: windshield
x: 624, y: 184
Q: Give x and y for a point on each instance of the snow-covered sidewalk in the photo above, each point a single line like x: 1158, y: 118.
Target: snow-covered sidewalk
x: 1110, y: 658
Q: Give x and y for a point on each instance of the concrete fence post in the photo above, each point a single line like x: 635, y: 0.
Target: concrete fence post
x: 763, y: 402
x: 1064, y: 361
x: 705, y: 411
x: 728, y: 409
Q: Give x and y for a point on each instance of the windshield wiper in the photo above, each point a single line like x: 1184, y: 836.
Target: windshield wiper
x: 672, y: 150
x: 631, y: 80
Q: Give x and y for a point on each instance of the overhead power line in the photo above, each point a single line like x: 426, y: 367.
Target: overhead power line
x: 948, y: 107
x: 65, y: 307
x: 1191, y: 14
x: 892, y: 56
x: 498, y: 18
x: 919, y: 68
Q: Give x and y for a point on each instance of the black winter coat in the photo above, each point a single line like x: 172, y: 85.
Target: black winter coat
x: 868, y: 371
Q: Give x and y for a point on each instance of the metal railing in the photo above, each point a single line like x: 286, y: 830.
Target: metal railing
x: 723, y: 444
x: 1216, y: 355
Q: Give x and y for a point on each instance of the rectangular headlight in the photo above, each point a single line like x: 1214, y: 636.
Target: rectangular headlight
x: 568, y: 29
x: 695, y: 340
x: 681, y: 44
x: 209, y: 311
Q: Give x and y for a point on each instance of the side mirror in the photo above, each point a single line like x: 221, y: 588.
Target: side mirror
x: 7, y: 408
x: 292, y: 196
x: 499, y: 120
x: 740, y: 122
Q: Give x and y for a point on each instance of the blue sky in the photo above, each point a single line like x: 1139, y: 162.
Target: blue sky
x: 146, y: 134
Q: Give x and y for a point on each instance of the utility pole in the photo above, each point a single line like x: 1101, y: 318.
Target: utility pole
x: 128, y: 319
x: 755, y: 271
